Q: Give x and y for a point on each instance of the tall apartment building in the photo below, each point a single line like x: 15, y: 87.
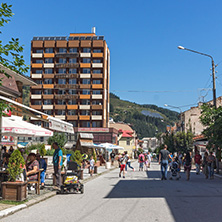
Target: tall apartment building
x: 72, y: 74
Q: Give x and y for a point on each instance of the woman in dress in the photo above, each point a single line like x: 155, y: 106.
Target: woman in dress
x: 187, y: 164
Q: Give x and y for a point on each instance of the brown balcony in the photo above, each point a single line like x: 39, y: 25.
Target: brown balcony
x: 36, y: 107
x: 72, y: 106
x: 85, y: 65
x: 66, y: 86
x: 48, y: 96
x: 84, y: 86
x: 67, y: 65
x: 97, y: 76
x: 48, y: 86
x: 73, y: 43
x: 61, y: 43
x: 37, y: 87
x: 36, y: 65
x: 67, y: 76
x: 69, y: 55
x: 97, y: 55
x: 49, y: 55
x: 72, y: 117
x: 37, y: 44
x: 84, y: 117
x: 97, y: 86
x: 48, y: 76
x: 86, y: 43
x: 66, y: 96
x: 97, y: 43
x: 97, y: 106
x: 49, y: 44
x: 84, y: 96
x: 62, y: 107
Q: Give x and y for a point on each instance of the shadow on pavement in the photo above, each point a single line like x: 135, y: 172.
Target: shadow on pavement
x: 194, y: 200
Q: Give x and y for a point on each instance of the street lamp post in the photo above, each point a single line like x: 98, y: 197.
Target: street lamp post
x: 213, y: 72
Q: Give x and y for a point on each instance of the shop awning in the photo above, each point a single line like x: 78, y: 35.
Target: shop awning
x: 15, y: 126
x: 54, y: 123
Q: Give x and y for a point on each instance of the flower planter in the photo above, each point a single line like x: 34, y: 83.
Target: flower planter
x: 15, y: 191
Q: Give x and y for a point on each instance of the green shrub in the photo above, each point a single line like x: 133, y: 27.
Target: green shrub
x: 76, y: 157
x: 49, y: 152
x: 42, y: 150
x: 14, y: 167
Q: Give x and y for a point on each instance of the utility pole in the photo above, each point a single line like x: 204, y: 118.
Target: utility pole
x: 214, y: 85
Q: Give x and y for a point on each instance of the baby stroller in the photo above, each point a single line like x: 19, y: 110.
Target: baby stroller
x: 175, y: 170
x: 71, y: 180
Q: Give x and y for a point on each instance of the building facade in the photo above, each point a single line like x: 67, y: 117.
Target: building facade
x: 191, y: 118
x: 73, y: 79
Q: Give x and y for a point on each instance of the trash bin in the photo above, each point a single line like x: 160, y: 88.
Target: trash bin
x: 108, y: 165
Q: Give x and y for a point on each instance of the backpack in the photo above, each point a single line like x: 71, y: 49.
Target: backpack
x: 141, y: 158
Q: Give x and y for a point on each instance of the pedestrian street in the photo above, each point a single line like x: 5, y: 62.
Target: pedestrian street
x: 141, y: 196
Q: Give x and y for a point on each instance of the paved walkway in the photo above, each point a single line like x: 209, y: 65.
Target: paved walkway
x: 141, y: 196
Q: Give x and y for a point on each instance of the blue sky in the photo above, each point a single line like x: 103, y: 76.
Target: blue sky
x: 143, y: 36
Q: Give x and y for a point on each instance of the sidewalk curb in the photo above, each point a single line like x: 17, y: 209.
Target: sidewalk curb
x: 46, y: 196
x: 217, y: 175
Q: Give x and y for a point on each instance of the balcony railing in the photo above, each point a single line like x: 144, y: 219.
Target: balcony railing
x: 67, y: 75
x: 64, y: 55
x: 67, y: 65
x: 66, y: 86
x: 66, y: 96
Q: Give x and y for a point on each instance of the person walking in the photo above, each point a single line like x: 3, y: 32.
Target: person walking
x: 57, y: 163
x: 122, y: 161
x: 197, y: 159
x: 211, y: 162
x: 141, y: 160
x: 91, y: 165
x: 205, y: 165
x: 149, y: 158
x: 112, y: 157
x: 163, y: 160
x: 187, y: 164
x: 128, y: 161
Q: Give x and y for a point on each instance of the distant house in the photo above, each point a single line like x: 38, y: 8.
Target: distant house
x: 150, y: 143
x: 126, y: 136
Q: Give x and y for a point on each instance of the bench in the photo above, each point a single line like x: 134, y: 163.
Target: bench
x: 37, y: 182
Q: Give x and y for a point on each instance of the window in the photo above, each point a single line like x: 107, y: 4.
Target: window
x: 96, y: 124
x: 85, y: 102
x: 97, y: 50
x: 96, y: 112
x: 86, y: 92
x: 61, y: 102
x: 38, y: 123
x: 97, y: 92
x: 86, y: 60
x: 48, y: 91
x: 38, y: 71
x: 47, y: 81
x: 97, y: 61
x: 85, y: 81
x: 97, y: 102
x: 85, y: 124
x: 72, y: 91
x: 37, y: 92
x: 48, y: 50
x: 72, y: 102
x: 62, y: 71
x: 48, y: 71
x: 38, y: 81
x: 38, y: 61
x: 45, y: 125
x: 85, y: 70
x: 85, y: 112
x: 128, y: 142
x: 47, y: 102
x: 62, y: 50
x: 49, y: 112
x: 73, y: 60
x: 62, y: 60
x: 61, y: 112
x: 97, y: 71
x: 37, y: 102
x: 74, y: 123
x: 39, y: 51
x: 71, y: 112
x: 86, y: 50
x: 72, y: 81
x: 61, y: 92
x: 72, y: 50
x: 72, y: 71
x: 49, y: 60
x: 97, y: 81
x: 61, y: 81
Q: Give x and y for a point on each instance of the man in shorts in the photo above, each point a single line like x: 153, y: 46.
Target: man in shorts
x: 122, y: 162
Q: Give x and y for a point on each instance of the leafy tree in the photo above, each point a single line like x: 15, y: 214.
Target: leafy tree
x: 59, y: 138
x: 42, y: 150
x: 14, y: 166
x: 76, y: 157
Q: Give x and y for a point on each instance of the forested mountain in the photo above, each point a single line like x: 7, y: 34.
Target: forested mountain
x: 147, y: 120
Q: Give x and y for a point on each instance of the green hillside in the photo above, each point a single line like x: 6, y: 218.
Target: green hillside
x: 145, y: 125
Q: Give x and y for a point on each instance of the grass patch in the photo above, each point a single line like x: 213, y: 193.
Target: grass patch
x: 11, y: 202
